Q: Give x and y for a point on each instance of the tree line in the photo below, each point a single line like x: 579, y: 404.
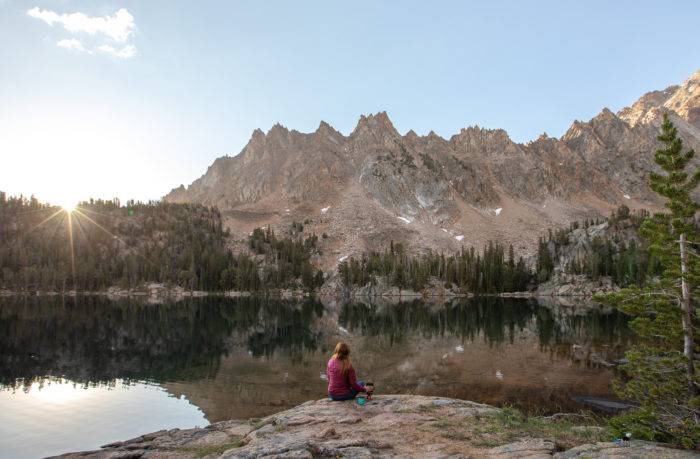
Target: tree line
x: 617, y: 253
x: 491, y: 271
x: 287, y: 259
x: 104, y: 243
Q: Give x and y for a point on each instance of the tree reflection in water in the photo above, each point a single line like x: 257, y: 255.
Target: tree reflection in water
x: 495, y: 319
x: 241, y: 357
x: 96, y: 340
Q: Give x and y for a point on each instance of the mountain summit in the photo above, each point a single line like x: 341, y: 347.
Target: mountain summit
x: 374, y: 186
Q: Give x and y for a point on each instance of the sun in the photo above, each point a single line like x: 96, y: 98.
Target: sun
x: 68, y: 205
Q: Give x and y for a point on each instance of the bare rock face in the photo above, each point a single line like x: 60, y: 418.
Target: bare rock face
x: 376, y: 185
x: 528, y: 448
x: 635, y: 448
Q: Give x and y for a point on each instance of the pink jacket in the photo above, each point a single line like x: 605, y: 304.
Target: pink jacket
x: 340, y: 384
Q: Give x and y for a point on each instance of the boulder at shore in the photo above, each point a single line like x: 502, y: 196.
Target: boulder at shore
x: 387, y: 426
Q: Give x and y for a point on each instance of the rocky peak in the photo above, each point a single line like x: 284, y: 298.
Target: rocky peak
x: 378, y: 125
x: 257, y: 137
x: 278, y: 132
x: 254, y: 145
x: 605, y: 124
x: 475, y: 137
x: 263, y: 146
x: 605, y: 114
x: 682, y: 99
x: 685, y: 101
x: 411, y: 136
x: 576, y: 130
x: 326, y: 131
x: 608, y: 119
x: 635, y: 113
x: 324, y: 127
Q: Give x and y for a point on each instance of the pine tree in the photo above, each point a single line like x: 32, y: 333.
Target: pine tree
x: 661, y: 375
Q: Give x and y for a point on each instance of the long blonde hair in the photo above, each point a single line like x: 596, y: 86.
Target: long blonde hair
x: 342, y: 353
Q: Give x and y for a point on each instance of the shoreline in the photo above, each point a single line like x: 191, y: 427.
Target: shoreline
x: 283, y: 294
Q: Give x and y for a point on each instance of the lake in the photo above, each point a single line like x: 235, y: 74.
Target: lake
x: 79, y: 372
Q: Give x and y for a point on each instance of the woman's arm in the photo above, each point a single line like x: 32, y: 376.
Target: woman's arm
x: 352, y: 379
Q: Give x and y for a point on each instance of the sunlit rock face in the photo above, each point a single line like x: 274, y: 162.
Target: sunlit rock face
x: 378, y: 185
x: 683, y: 99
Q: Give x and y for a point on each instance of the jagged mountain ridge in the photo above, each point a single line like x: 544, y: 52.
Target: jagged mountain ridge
x: 376, y: 185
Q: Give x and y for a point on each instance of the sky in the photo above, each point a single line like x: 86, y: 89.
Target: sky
x: 131, y: 98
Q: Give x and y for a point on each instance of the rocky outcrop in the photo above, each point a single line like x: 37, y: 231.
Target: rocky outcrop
x: 381, y: 288
x: 624, y: 450
x: 388, y: 426
x: 562, y: 284
x: 155, y: 292
x: 577, y: 246
x: 528, y: 448
x: 175, y: 443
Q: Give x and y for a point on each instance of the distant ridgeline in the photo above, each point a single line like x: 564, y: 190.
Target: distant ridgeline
x: 102, y: 244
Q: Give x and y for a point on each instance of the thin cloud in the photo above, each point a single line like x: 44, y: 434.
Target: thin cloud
x: 118, y: 27
x: 126, y: 52
x: 72, y: 44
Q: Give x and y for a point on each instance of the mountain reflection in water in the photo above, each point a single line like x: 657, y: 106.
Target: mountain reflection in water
x: 248, y: 357
x: 492, y: 350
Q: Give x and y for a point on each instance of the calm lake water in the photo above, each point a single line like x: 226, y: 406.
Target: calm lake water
x: 76, y: 373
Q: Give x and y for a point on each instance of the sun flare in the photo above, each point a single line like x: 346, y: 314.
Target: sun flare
x: 68, y: 205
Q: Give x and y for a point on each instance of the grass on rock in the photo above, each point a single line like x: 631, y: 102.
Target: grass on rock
x: 511, y: 424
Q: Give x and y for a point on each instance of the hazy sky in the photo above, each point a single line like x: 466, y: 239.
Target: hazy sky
x: 127, y: 98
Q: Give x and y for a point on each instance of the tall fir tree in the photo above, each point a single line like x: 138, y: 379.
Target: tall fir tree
x: 661, y: 376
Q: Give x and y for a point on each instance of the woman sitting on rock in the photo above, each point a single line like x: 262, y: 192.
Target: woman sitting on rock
x: 342, y: 381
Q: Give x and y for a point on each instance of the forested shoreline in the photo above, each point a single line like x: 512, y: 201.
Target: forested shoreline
x: 104, y: 244
x: 593, y: 248
x: 598, y: 248
x: 469, y: 271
